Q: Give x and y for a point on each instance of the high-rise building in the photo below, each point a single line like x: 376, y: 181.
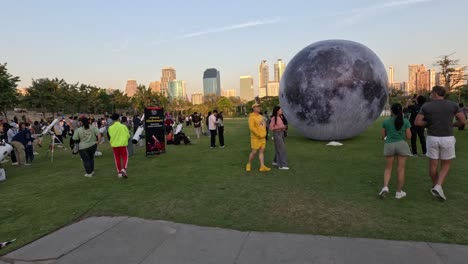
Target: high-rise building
x: 413, y: 71
x: 197, y: 98
x: 422, y: 81
x: 273, y: 88
x: 279, y: 70
x: 432, y: 78
x: 440, y: 79
x: 211, y: 82
x: 176, y: 89
x: 155, y: 87
x: 263, y: 76
x: 168, y: 74
x: 228, y: 93
x: 391, y: 75
x: 130, y: 88
x: 246, y: 88
x: 23, y: 91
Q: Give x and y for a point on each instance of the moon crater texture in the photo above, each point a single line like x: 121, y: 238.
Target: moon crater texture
x: 333, y: 89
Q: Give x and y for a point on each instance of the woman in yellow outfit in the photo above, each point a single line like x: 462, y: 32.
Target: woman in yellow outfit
x: 257, y: 126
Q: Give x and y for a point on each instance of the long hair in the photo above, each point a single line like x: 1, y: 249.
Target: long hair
x: 397, y: 110
x: 275, y: 115
x: 85, y: 122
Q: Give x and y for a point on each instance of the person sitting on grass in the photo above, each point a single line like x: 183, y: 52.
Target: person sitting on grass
x: 394, y: 131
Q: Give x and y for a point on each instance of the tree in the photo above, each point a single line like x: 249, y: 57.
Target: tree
x: 48, y: 95
x: 452, y: 72
x: 396, y: 96
x: 8, y: 93
x: 225, y: 105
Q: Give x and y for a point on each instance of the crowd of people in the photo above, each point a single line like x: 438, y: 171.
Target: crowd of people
x: 406, y: 123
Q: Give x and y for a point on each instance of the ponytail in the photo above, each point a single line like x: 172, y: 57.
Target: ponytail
x: 397, y: 110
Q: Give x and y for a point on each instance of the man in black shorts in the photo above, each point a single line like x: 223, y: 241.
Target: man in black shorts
x: 437, y: 116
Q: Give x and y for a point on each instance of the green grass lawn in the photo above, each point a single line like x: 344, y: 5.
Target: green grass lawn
x: 328, y: 191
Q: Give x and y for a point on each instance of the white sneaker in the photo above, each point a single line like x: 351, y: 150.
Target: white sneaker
x: 438, y: 192
x: 35, y: 153
x: 89, y: 175
x: 274, y: 163
x: 383, y: 193
x: 92, y: 173
x: 15, y: 163
x: 283, y: 168
x: 120, y: 175
x: 124, y: 173
x: 400, y: 195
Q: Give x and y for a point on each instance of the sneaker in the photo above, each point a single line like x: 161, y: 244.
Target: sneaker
x: 92, y: 173
x: 89, y: 175
x: 283, y: 168
x: 124, y: 173
x: 247, y: 167
x: 384, y: 192
x: 35, y: 153
x: 274, y: 163
x: 221, y: 146
x: 438, y: 192
x: 119, y: 175
x: 414, y: 155
x: 27, y: 164
x: 400, y: 195
x: 15, y: 163
x: 264, y: 168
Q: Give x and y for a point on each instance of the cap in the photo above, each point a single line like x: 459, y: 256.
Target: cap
x: 13, y: 124
x: 255, y: 105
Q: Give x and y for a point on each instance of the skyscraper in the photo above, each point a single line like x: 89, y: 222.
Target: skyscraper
x: 422, y: 81
x: 197, y: 98
x: 440, y: 79
x: 155, y: 86
x: 263, y: 75
x: 273, y: 88
x: 279, y: 70
x: 413, y: 71
x: 391, y: 75
x: 211, y: 82
x: 432, y: 78
x: 168, y: 75
x: 246, y: 88
x: 130, y: 88
x: 228, y: 93
x: 176, y: 89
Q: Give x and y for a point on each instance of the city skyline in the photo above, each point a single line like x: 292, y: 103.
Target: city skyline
x: 51, y: 39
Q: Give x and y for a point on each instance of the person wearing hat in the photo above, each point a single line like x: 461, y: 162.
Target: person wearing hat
x: 118, y: 137
x: 257, y: 127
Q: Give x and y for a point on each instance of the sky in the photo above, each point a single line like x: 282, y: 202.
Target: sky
x: 104, y: 43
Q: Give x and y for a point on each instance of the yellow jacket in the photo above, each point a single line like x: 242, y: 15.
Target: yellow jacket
x: 119, y: 135
x: 257, y: 126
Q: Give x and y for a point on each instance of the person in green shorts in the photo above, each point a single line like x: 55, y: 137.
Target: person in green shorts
x: 395, y: 132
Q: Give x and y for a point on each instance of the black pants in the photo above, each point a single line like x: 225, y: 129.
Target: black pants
x: 213, y: 138
x: 417, y: 131
x: 87, y: 155
x: 221, y: 135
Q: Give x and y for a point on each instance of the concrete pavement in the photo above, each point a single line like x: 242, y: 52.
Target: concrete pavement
x: 132, y: 240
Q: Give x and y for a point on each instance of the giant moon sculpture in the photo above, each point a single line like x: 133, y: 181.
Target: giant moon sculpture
x: 333, y: 89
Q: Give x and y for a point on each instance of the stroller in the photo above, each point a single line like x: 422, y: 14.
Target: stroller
x: 180, y: 136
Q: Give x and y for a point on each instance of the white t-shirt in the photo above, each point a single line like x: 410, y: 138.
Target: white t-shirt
x: 212, y: 122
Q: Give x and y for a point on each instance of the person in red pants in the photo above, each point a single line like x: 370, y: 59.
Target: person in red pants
x: 119, y: 135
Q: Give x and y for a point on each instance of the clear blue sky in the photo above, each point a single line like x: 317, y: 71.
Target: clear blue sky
x: 104, y: 43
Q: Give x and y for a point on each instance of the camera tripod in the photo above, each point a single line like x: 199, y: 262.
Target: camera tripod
x: 52, y: 146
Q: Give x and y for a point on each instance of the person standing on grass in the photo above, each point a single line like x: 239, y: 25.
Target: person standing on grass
x: 395, y: 131
x: 279, y: 126
x: 213, y: 126
x: 89, y: 138
x: 220, y: 123
x: 257, y: 127
x: 197, y: 124
x: 118, y: 137
x: 465, y: 110
x: 416, y: 131
x: 437, y: 115
x: 19, y: 143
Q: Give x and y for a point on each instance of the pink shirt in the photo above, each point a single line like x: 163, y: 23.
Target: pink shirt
x: 279, y: 124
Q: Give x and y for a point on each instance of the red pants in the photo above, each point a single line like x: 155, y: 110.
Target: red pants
x: 120, y: 153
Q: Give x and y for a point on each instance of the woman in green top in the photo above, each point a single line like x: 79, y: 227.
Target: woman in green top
x: 395, y: 132
x: 89, y: 137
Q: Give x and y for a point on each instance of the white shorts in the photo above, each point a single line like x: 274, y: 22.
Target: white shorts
x: 442, y: 148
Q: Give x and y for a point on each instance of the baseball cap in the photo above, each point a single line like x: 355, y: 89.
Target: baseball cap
x: 255, y: 105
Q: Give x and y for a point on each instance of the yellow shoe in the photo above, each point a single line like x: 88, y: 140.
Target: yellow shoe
x: 264, y: 168
x: 247, y: 167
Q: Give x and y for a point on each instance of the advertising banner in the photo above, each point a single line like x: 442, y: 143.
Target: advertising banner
x: 154, y: 130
